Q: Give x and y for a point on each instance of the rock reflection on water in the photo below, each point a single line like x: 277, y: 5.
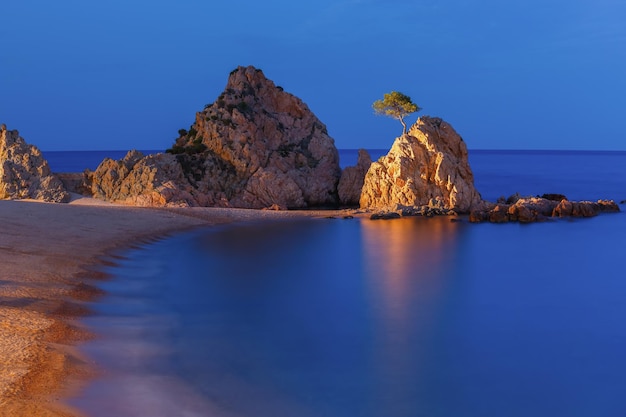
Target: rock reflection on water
x: 335, y: 318
x: 402, y: 254
x: 407, y: 265
x: 303, y: 318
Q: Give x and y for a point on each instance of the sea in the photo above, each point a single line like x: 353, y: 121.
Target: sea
x: 413, y: 317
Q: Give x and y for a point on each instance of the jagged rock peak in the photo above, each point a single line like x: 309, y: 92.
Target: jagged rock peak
x: 24, y: 172
x: 245, y: 83
x: 427, y: 166
x: 261, y: 146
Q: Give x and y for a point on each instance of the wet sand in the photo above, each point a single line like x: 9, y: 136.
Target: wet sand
x: 49, y: 254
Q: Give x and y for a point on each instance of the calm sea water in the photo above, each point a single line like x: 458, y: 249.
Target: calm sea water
x: 402, y: 318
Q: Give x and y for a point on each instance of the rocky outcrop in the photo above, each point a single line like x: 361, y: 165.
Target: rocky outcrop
x: 154, y: 181
x: 257, y: 146
x: 24, y: 172
x: 352, y: 178
x: 534, y: 209
x: 427, y: 166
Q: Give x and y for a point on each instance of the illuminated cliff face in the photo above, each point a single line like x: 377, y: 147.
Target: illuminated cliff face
x: 259, y: 145
x: 429, y: 163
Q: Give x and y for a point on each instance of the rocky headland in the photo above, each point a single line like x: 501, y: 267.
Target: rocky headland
x: 255, y: 147
x: 258, y: 147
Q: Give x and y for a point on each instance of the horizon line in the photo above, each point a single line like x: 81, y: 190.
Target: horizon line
x: 368, y: 149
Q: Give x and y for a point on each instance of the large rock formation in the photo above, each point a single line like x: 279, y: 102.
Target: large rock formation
x: 352, y: 178
x: 24, y: 172
x: 257, y: 146
x: 428, y: 166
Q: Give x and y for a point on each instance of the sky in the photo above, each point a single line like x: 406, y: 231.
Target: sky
x: 127, y: 74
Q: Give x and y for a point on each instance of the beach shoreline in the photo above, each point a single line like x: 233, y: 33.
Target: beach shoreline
x: 50, y: 254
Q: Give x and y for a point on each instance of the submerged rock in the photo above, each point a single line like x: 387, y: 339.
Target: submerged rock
x: 24, y: 172
x: 429, y: 162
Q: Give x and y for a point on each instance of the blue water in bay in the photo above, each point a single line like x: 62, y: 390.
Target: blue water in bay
x: 358, y: 318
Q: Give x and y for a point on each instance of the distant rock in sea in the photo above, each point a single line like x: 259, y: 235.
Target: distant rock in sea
x: 24, y: 172
x: 256, y: 146
x: 427, y: 167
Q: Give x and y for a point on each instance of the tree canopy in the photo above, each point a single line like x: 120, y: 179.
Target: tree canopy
x: 396, y: 105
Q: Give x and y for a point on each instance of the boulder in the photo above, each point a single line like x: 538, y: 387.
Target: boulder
x: 565, y: 208
x: 479, y: 216
x: 74, y: 182
x: 257, y: 146
x: 154, y: 180
x: 24, y: 172
x: 499, y: 214
x: 430, y: 161
x: 352, y: 178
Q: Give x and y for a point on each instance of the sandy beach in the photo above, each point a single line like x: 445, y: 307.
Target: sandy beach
x: 49, y: 255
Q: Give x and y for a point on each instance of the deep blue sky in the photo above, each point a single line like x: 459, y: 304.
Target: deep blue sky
x: 122, y: 74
